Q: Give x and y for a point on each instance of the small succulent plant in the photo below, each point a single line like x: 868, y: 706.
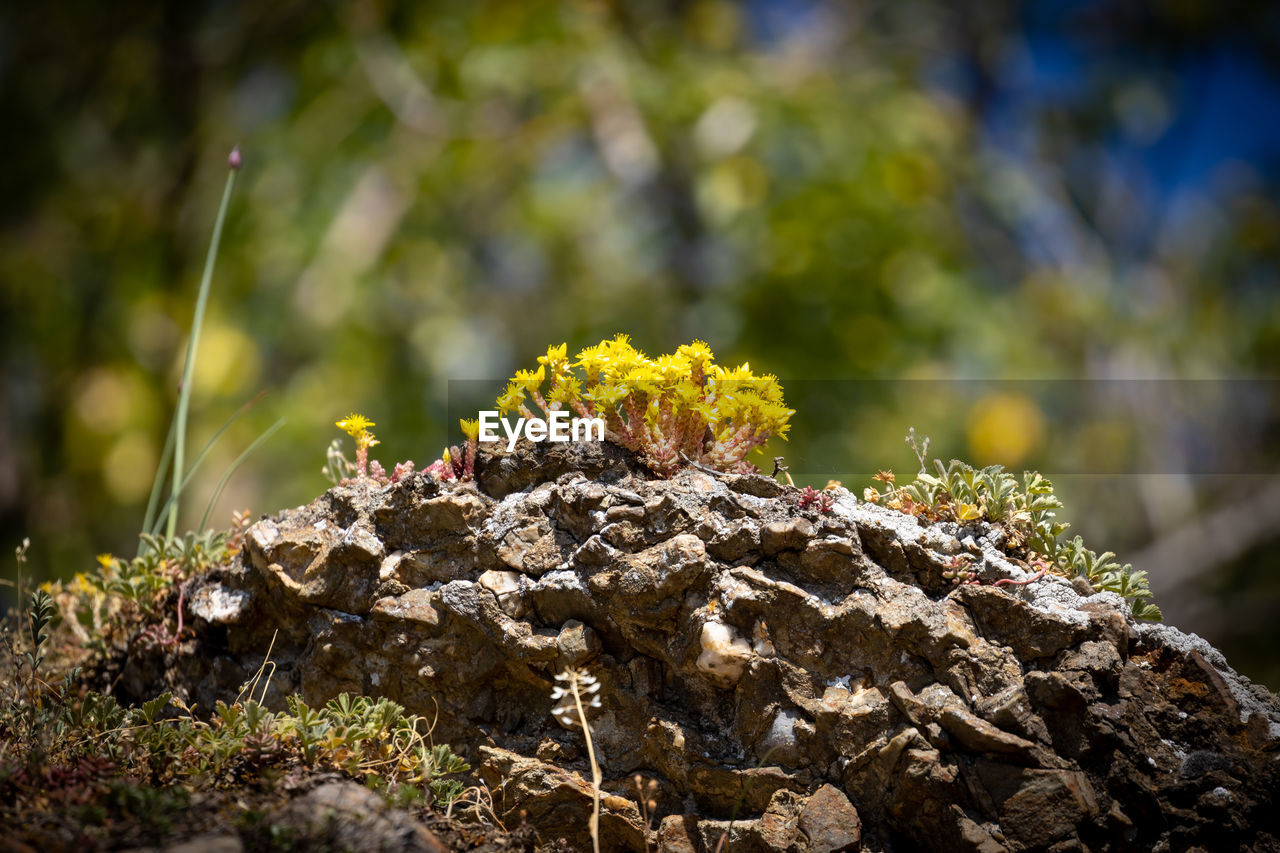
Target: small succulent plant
x: 338, y: 469
x: 673, y: 410
x: 812, y: 499
x: 1027, y: 513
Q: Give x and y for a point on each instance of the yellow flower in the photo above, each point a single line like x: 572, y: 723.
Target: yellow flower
x: 641, y: 373
x: 697, y: 352
x: 511, y: 399
x: 556, y: 359
x: 620, y: 343
x: 684, y: 395
x: 354, y: 424
x: 605, y: 396
x: 768, y: 388
x: 737, y: 375
x: 530, y: 380
x: 620, y: 356
x: 471, y: 428
x: 566, y: 391
x: 774, y: 417
x: 592, y: 359
x: 671, y: 368
x: 702, y: 411
x: 685, y: 388
x: 726, y: 408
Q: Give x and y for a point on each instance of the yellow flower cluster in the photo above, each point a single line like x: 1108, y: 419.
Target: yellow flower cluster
x: 672, y: 410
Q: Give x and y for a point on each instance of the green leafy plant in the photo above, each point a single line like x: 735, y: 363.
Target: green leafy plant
x: 137, y: 761
x: 125, y: 601
x: 366, y: 737
x: 39, y: 615
x: 40, y: 612
x: 1104, y: 573
x: 1026, y: 512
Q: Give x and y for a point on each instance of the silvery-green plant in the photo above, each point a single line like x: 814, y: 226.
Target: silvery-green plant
x: 1028, y: 515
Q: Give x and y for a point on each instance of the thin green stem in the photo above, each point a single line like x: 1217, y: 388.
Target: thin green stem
x: 193, y: 343
x: 204, y: 451
x: 157, y: 486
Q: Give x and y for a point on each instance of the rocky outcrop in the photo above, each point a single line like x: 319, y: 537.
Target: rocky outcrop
x: 797, y: 681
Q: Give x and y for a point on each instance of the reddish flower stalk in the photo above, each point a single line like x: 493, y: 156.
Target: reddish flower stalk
x: 541, y: 403
x: 469, y: 462
x: 1011, y: 582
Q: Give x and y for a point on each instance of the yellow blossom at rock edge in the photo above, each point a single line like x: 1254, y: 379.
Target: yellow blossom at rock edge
x: 354, y: 424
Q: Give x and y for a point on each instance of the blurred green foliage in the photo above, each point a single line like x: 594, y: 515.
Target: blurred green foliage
x: 436, y: 192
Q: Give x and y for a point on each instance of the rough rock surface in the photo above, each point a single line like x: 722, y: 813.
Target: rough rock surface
x: 797, y: 681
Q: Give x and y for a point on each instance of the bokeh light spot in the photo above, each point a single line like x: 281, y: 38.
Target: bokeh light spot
x: 1004, y: 429
x: 128, y: 468
x: 226, y: 363
x: 107, y: 398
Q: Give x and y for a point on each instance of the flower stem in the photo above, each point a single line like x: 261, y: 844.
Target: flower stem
x: 595, y: 768
x: 193, y: 343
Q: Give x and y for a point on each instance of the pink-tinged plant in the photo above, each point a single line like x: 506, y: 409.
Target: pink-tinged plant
x: 458, y: 463
x: 340, y: 470
x: 357, y: 426
x: 811, y: 498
